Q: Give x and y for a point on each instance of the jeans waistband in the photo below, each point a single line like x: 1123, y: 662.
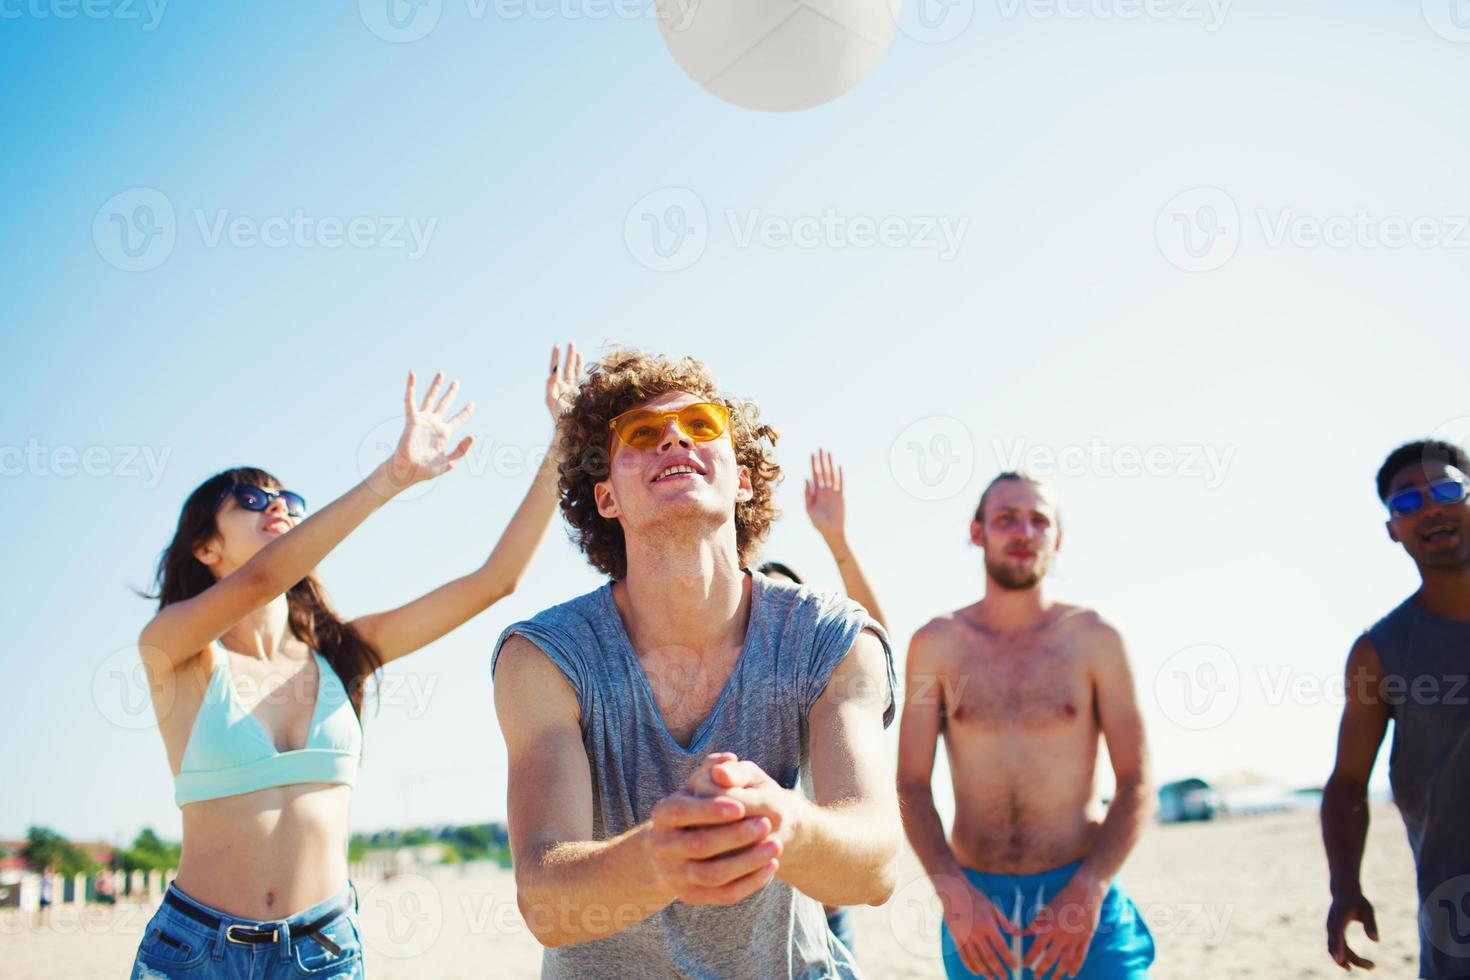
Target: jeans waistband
x: 176, y: 896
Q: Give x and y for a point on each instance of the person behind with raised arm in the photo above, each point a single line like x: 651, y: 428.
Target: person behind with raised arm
x: 1412, y: 667
x: 1022, y: 689
x: 657, y: 727
x: 827, y: 509
x: 258, y: 687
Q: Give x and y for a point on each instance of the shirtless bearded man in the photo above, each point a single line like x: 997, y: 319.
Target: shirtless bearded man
x: 1021, y: 687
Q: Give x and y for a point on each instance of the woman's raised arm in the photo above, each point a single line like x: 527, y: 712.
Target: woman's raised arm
x: 400, y: 631
x: 182, y: 629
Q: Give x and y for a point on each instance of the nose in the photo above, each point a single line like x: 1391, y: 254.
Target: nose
x: 674, y: 436
x: 277, y: 507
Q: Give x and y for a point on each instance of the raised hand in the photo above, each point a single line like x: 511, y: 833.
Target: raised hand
x: 566, y: 375
x: 824, y: 503
x: 979, y: 929
x: 423, y: 450
x: 1349, y: 908
x: 1064, y: 928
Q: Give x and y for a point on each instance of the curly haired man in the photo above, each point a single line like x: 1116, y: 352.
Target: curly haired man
x: 658, y: 727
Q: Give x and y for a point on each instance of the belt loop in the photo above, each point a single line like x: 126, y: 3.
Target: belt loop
x: 219, y: 939
x: 286, y: 940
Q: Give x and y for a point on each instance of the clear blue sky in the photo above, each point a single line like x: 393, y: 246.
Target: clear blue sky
x: 534, y: 154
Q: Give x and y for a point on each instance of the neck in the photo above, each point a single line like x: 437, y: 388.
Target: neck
x: 684, y: 595
x: 1445, y: 592
x: 1008, y: 609
x: 262, y: 632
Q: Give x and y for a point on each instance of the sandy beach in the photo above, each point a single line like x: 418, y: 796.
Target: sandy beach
x: 1242, y: 897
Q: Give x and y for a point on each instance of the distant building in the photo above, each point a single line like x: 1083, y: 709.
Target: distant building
x: 1187, y: 799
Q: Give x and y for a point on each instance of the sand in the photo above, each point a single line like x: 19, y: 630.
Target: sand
x: 1241, y: 897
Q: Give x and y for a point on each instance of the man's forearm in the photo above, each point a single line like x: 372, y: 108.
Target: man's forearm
x: 926, y: 832
x: 579, y: 891
x: 1120, y: 830
x: 843, y: 854
x: 854, y: 581
x: 1344, y: 835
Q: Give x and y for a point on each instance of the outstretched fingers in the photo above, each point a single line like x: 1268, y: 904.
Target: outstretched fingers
x: 433, y: 390
x: 449, y: 394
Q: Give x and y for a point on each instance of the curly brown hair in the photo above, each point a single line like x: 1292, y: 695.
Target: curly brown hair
x: 623, y: 380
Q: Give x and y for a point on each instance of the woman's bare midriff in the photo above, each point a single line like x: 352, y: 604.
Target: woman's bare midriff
x: 267, y: 854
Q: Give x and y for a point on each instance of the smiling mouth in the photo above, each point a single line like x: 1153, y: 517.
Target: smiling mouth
x: 674, y: 472
x: 1439, y: 535
x: 278, y: 522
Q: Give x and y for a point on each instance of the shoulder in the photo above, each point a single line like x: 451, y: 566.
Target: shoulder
x: 933, y: 641
x: 1363, y: 655
x: 1392, y: 623
x: 532, y: 691
x: 793, y: 610
x: 1097, y: 638
x: 561, y: 634
x: 1086, y: 623
x: 562, y: 618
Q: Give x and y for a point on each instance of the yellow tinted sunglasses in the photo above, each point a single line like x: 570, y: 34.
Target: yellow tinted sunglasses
x: 642, y: 428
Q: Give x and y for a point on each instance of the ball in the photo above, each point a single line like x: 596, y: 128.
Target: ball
x: 777, y: 55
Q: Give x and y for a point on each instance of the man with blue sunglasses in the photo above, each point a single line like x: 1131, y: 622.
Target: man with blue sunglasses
x: 1412, y: 667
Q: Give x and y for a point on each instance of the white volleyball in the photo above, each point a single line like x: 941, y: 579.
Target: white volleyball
x: 777, y: 55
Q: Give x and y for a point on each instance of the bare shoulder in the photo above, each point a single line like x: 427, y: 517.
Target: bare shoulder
x: 527, y: 684
x: 1081, y: 618
x: 1095, y: 633
x: 1363, y: 655
x: 518, y: 655
x: 935, y: 642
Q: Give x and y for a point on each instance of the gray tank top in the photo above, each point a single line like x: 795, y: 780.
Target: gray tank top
x: 794, y: 639
x: 1426, y: 686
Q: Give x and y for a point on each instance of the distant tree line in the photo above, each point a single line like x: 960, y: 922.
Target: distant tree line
x: 45, y: 848
x: 470, y: 842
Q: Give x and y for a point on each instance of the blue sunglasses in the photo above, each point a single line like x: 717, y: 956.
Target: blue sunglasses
x: 1411, y: 501
x: 254, y: 498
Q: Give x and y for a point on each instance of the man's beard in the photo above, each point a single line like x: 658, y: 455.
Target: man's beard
x: 1017, y: 580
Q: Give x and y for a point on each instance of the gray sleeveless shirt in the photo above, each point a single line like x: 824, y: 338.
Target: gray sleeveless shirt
x: 1426, y: 687
x: 794, y: 640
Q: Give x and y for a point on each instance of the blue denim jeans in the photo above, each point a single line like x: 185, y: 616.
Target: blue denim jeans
x: 840, y: 922
x: 176, y: 945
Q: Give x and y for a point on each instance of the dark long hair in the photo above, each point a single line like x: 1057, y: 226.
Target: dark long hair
x: 313, y: 621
